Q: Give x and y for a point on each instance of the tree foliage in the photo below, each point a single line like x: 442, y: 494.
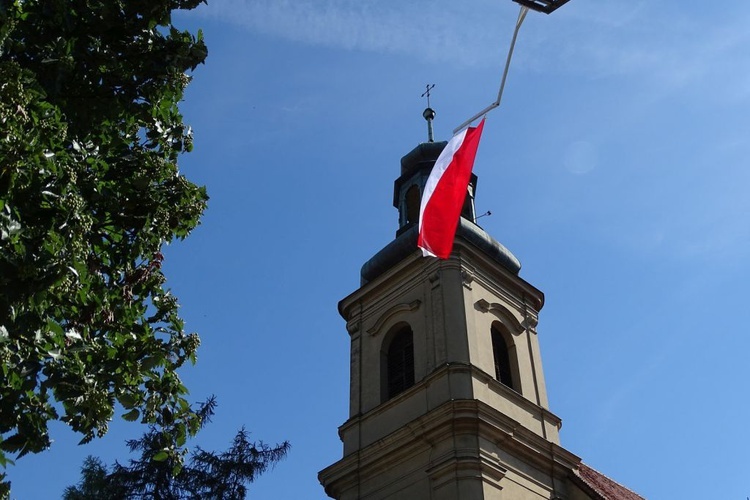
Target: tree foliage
x: 90, y: 191
x: 206, y: 475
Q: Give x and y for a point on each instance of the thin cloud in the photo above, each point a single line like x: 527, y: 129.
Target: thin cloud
x: 433, y: 31
x: 666, y: 50
x: 599, y: 39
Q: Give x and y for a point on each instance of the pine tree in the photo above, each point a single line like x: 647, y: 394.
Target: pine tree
x: 156, y: 475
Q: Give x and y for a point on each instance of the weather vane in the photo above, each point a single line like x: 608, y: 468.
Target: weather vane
x: 429, y: 113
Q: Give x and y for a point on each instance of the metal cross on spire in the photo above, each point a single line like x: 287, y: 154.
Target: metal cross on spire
x: 427, y: 93
x: 429, y: 113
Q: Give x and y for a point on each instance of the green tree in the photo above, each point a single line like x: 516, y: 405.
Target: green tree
x: 90, y: 191
x: 94, y: 483
x: 206, y: 475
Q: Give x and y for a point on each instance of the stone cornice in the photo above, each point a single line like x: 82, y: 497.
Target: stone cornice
x: 485, y: 271
x: 468, y: 417
x: 443, y: 371
x: 402, y: 277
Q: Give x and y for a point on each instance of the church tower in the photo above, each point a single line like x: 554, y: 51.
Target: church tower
x: 447, y: 394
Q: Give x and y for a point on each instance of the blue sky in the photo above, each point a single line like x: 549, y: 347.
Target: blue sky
x: 616, y: 170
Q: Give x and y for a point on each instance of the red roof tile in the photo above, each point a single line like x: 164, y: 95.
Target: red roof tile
x: 602, y: 486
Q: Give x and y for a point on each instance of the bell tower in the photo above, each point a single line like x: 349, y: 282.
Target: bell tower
x: 447, y: 394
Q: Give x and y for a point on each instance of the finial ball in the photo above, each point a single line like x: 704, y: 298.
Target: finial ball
x: 429, y: 114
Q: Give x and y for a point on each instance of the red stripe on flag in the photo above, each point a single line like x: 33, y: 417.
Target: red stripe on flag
x: 445, y: 192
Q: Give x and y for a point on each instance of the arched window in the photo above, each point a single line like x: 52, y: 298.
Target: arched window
x: 505, y: 359
x: 398, y: 362
x: 413, y: 201
x: 467, y: 210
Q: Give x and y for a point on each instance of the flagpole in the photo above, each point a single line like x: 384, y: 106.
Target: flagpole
x: 519, y: 22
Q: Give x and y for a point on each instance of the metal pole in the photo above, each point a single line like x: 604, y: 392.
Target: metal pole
x: 519, y: 22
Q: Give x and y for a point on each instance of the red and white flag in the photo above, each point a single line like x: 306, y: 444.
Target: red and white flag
x: 445, y: 191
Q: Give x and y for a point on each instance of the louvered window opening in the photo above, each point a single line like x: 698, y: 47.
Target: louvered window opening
x: 400, y: 363
x: 502, y: 359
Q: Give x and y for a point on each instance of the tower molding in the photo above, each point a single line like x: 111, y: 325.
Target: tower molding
x: 392, y: 312
x: 447, y: 392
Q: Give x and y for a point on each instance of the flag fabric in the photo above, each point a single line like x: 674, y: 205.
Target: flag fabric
x: 445, y: 191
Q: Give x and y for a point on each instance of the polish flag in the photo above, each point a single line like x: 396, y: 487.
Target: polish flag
x: 445, y: 192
